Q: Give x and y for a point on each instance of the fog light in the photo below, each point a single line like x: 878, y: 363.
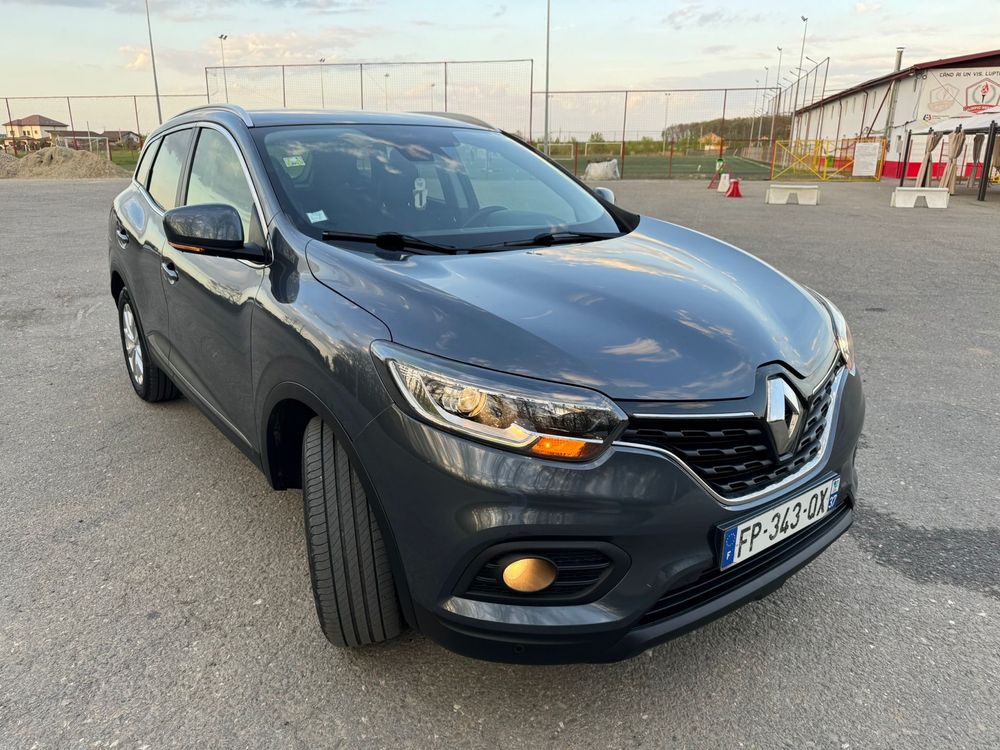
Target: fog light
x: 529, y: 574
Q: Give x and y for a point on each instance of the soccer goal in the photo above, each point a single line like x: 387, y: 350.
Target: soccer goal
x: 94, y: 144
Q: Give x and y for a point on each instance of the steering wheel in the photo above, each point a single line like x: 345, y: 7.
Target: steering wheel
x: 476, y: 219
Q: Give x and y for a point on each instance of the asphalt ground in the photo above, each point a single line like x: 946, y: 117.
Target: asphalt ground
x: 154, y: 592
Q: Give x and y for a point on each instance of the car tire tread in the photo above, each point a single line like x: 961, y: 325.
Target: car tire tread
x: 352, y: 582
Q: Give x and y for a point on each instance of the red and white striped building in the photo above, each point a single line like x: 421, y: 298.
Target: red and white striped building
x: 912, y: 98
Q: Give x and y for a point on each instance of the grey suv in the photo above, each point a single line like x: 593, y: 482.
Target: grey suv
x: 526, y: 422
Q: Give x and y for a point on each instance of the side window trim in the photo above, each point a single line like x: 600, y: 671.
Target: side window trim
x: 182, y: 183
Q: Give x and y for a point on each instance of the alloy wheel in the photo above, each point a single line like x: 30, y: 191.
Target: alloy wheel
x: 133, y: 344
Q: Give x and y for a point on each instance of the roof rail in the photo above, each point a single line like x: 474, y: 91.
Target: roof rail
x: 235, y: 109
x: 467, y: 119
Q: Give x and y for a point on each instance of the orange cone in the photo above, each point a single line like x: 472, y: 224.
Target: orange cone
x: 734, y: 189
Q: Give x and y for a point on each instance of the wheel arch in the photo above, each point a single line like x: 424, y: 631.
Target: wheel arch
x: 117, y: 283
x: 287, y: 410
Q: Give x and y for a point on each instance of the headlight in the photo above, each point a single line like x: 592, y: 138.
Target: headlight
x: 841, y: 331
x: 521, y: 414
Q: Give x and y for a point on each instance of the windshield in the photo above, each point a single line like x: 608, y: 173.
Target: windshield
x: 456, y: 186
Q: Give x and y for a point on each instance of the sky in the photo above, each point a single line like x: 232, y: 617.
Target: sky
x: 81, y: 47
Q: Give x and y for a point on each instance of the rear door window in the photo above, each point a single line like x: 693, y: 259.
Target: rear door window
x: 168, y: 166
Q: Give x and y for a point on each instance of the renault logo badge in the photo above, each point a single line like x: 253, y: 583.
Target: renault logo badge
x: 784, y: 414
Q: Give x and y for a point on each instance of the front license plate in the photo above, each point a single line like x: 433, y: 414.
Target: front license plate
x: 756, y: 534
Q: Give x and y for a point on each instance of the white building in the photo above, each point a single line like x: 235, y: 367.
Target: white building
x: 32, y: 126
x: 912, y: 98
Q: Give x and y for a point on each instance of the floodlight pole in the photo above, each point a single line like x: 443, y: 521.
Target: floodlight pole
x: 322, y: 85
x: 225, y: 78
x: 760, y: 121
x: 548, y: 28
x: 802, y: 54
x: 152, y: 60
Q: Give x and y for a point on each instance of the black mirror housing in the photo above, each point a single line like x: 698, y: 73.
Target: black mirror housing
x: 209, y: 229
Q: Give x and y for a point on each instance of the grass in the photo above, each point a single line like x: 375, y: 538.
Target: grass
x: 125, y: 158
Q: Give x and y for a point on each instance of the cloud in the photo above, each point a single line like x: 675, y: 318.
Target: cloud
x: 863, y: 8
x: 138, y: 57
x: 273, y: 48
x: 181, y: 10
x: 719, y: 49
x: 695, y: 14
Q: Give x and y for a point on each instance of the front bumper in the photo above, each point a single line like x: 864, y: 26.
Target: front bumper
x: 445, y: 500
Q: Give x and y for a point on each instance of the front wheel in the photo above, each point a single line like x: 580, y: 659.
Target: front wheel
x: 351, y: 579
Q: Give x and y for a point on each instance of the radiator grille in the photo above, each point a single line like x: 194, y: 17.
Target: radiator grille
x: 735, y: 455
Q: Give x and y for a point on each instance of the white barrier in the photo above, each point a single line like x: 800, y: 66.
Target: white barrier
x: 724, y: 180
x: 906, y: 197
x: 602, y: 170
x: 805, y: 195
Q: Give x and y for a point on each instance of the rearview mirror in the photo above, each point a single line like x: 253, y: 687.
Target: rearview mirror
x: 606, y: 193
x: 209, y: 229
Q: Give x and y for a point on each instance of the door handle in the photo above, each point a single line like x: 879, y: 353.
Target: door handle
x: 170, y: 271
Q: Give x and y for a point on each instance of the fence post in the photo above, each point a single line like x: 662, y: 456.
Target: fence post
x: 774, y: 113
x: 576, y: 158
x: 445, y: 87
x: 284, y: 100
x: 71, y: 125
x: 10, y: 119
x: 531, y: 98
x: 722, y: 135
x: 621, y: 173
x: 670, y: 163
x: 361, y: 72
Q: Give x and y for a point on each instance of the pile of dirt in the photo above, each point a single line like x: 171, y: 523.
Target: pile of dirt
x: 57, y: 162
x: 8, y: 165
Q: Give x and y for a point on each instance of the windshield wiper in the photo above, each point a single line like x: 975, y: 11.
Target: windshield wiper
x: 392, y: 241
x: 554, y: 238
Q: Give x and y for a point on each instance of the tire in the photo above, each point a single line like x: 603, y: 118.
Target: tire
x: 148, y: 380
x: 352, y: 582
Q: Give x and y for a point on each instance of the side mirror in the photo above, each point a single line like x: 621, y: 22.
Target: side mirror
x: 209, y: 229
x: 607, y: 193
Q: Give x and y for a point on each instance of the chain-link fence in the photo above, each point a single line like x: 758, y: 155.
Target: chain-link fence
x: 118, y: 122
x: 663, y: 133
x: 652, y: 133
x: 100, y: 113
x: 498, y: 91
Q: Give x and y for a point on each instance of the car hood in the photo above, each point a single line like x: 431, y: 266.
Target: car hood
x: 662, y: 313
